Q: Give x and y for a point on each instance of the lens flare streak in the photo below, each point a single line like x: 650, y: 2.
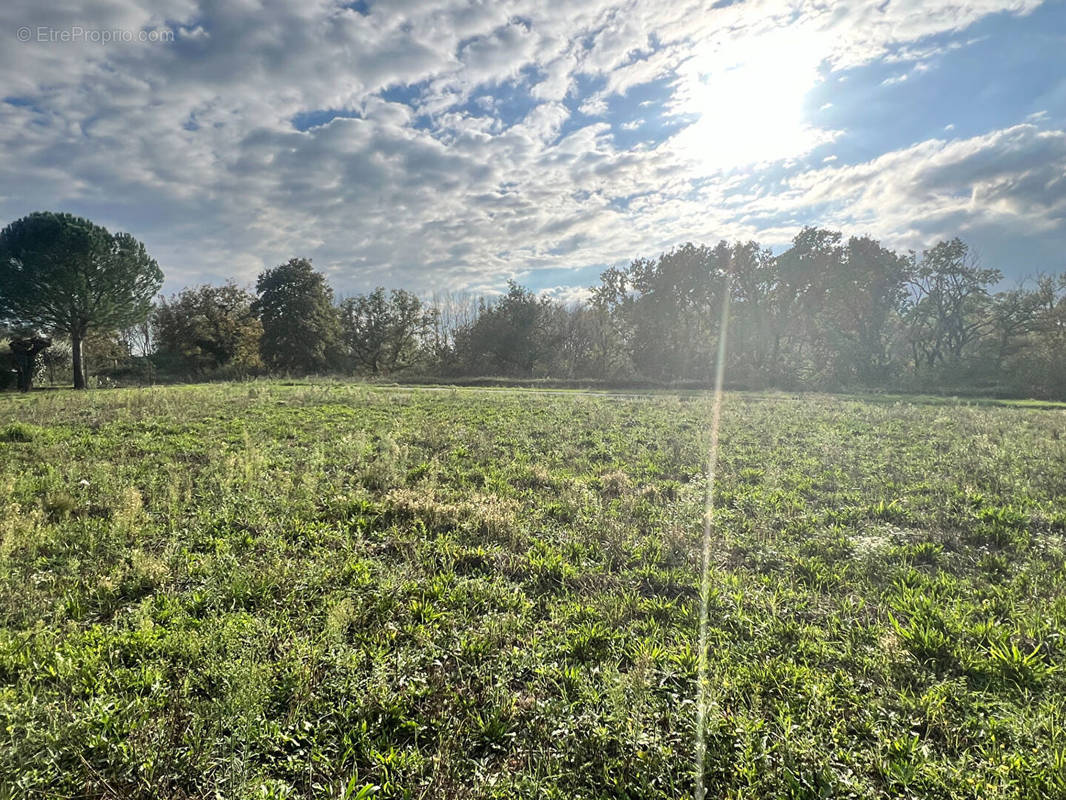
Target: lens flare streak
x: 703, y: 689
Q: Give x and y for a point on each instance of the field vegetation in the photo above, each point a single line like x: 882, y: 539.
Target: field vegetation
x: 279, y: 590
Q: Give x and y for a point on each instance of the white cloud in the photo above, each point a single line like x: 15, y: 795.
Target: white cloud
x: 567, y: 295
x: 1012, y: 177
x: 190, y: 145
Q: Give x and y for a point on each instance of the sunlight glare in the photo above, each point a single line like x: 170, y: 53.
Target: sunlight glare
x: 750, y: 102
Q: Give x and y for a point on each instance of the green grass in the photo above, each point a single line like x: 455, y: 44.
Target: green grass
x: 330, y: 590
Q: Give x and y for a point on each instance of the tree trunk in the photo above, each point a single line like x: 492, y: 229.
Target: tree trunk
x: 26, y: 366
x: 25, y: 352
x: 75, y: 353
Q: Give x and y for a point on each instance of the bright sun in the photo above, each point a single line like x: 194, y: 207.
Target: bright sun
x: 750, y: 102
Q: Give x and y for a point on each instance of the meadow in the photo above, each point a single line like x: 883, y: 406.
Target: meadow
x: 331, y: 590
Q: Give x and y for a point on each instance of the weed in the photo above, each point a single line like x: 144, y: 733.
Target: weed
x: 333, y: 590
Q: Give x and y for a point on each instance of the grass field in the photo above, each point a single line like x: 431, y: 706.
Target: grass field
x: 329, y: 590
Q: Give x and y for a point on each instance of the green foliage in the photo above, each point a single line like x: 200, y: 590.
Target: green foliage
x: 383, y: 333
x: 666, y: 309
x: 18, y: 432
x: 516, y: 336
x: 321, y: 589
x: 70, y: 276
x: 831, y: 312
x: 1026, y: 669
x: 208, y: 328
x: 301, y: 329
x: 950, y: 302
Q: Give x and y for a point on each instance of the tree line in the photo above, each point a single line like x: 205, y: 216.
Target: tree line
x: 827, y: 312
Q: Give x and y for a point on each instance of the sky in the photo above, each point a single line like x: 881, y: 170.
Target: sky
x: 444, y: 145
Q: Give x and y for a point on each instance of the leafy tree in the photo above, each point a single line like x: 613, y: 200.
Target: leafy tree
x: 72, y: 277
x: 612, y: 303
x: 1014, y: 317
x: 949, y: 303
x: 383, y: 333
x: 605, y: 343
x: 754, y: 342
x: 105, y: 352
x: 207, y: 328
x: 804, y: 275
x: 673, y: 316
x: 666, y: 309
x: 861, y: 306
x: 1040, y: 368
x: 583, y: 332
x: 301, y: 329
x: 513, y: 336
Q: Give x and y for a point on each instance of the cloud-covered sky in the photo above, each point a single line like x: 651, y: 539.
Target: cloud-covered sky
x: 437, y: 144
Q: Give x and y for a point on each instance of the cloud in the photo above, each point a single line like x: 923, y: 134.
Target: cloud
x: 1014, y: 178
x: 457, y: 143
x: 567, y: 295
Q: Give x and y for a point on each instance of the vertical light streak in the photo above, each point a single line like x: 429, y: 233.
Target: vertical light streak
x: 702, y: 682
